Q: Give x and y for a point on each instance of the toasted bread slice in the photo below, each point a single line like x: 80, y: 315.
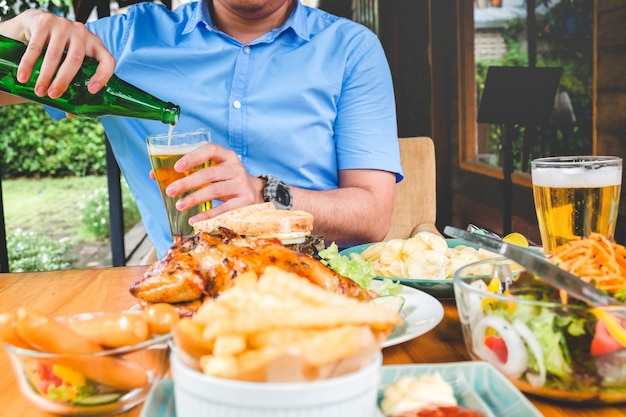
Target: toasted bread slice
x: 261, y: 220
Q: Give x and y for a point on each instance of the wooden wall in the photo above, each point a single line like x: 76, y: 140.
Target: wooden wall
x: 610, y: 89
x: 423, y: 45
x: 476, y: 198
x: 417, y: 36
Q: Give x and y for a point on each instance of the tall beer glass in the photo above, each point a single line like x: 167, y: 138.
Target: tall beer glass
x: 575, y: 196
x: 164, y: 151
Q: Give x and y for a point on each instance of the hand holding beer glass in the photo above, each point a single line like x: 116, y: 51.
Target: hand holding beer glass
x: 575, y: 196
x: 165, y: 151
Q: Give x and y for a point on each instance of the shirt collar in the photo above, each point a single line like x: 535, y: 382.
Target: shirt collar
x: 296, y: 21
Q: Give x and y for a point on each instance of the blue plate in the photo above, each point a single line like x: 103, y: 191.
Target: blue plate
x: 160, y: 401
x: 477, y: 385
x: 439, y: 288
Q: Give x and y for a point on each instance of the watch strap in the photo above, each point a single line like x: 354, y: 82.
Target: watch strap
x: 277, y: 192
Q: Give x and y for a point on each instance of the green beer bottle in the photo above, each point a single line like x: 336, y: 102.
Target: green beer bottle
x: 116, y: 98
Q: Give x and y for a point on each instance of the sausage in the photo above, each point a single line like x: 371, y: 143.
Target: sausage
x: 116, y: 373
x: 113, y: 330
x: 49, y: 335
x: 8, y: 331
x: 161, y: 317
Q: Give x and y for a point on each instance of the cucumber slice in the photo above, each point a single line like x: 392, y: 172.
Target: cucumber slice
x: 391, y: 302
x: 98, y: 399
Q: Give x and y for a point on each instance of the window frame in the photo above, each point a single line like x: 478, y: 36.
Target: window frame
x: 468, y: 101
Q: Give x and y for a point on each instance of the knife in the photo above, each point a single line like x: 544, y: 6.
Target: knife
x: 540, y: 266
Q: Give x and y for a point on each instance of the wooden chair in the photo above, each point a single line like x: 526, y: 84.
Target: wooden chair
x: 415, y: 205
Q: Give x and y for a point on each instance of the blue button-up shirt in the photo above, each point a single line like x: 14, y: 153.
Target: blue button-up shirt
x: 301, y: 102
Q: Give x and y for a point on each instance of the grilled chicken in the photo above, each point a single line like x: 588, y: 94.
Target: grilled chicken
x: 205, y: 265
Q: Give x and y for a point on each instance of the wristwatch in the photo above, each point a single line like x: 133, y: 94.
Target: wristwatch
x: 277, y: 192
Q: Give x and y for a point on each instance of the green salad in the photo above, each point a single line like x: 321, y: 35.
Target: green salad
x: 562, y: 347
x: 357, y: 269
x: 60, y: 383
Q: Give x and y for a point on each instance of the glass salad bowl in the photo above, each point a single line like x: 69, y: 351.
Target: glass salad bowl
x: 545, y: 344
x: 99, y: 383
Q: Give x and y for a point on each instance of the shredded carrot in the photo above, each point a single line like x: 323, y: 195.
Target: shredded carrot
x: 596, y: 260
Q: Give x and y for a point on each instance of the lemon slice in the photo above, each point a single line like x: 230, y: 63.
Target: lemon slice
x: 516, y: 239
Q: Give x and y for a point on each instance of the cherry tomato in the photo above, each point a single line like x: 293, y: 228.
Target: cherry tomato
x: 46, y: 378
x: 603, y: 342
x: 497, y: 345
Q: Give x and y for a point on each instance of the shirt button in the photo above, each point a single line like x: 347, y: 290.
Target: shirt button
x: 237, y: 104
x: 246, y: 49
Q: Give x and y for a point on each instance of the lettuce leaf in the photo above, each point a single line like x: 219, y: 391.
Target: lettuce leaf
x: 357, y: 269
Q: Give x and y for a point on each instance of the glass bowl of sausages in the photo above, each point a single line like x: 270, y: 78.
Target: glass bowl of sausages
x: 91, y: 364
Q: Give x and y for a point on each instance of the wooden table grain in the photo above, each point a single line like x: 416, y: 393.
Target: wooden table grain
x: 106, y: 289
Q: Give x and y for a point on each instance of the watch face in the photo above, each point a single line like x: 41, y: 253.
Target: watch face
x: 283, y: 196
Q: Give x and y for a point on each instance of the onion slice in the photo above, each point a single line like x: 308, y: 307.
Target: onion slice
x: 538, y: 379
x: 517, y: 358
x: 473, y: 304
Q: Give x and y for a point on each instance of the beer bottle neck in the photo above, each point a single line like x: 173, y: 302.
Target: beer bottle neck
x: 170, y: 114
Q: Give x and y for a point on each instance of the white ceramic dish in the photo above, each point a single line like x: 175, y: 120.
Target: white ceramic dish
x: 477, y: 385
x: 421, y: 313
x: 349, y: 395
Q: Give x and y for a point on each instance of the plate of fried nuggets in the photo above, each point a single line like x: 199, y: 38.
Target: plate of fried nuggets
x: 281, y: 328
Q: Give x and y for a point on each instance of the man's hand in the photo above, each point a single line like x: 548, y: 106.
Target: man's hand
x: 225, y: 180
x: 356, y: 212
x: 43, y: 31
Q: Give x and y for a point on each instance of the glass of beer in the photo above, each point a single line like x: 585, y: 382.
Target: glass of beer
x: 575, y: 196
x: 164, y: 151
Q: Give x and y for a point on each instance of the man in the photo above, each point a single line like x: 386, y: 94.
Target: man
x: 286, y: 90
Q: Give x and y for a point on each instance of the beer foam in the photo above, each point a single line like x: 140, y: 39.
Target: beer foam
x: 577, y: 177
x: 174, y: 149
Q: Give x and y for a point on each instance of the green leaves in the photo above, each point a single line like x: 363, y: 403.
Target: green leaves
x: 32, y: 144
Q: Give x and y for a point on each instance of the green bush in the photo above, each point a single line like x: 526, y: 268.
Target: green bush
x: 95, y: 211
x: 32, y: 144
x: 33, y: 250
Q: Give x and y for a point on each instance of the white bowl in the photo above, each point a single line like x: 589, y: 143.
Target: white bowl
x: 200, y: 395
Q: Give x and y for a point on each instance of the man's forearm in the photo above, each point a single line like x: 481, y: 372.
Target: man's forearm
x: 350, y: 215
x: 6, y: 99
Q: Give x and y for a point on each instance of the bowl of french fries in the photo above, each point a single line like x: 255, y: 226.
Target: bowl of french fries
x: 548, y: 343
x: 275, y: 344
x: 90, y: 364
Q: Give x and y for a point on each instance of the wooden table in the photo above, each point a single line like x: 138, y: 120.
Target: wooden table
x: 106, y: 289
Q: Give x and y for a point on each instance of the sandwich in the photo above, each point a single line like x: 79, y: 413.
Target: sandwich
x: 292, y: 227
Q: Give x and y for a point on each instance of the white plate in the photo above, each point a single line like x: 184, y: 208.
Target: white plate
x: 421, y: 313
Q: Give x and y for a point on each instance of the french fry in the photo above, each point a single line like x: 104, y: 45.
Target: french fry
x: 304, y: 317
x: 220, y: 366
x: 229, y: 345
x: 281, y: 327
x: 188, y: 336
x: 331, y: 346
x: 281, y: 337
x: 299, y: 289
